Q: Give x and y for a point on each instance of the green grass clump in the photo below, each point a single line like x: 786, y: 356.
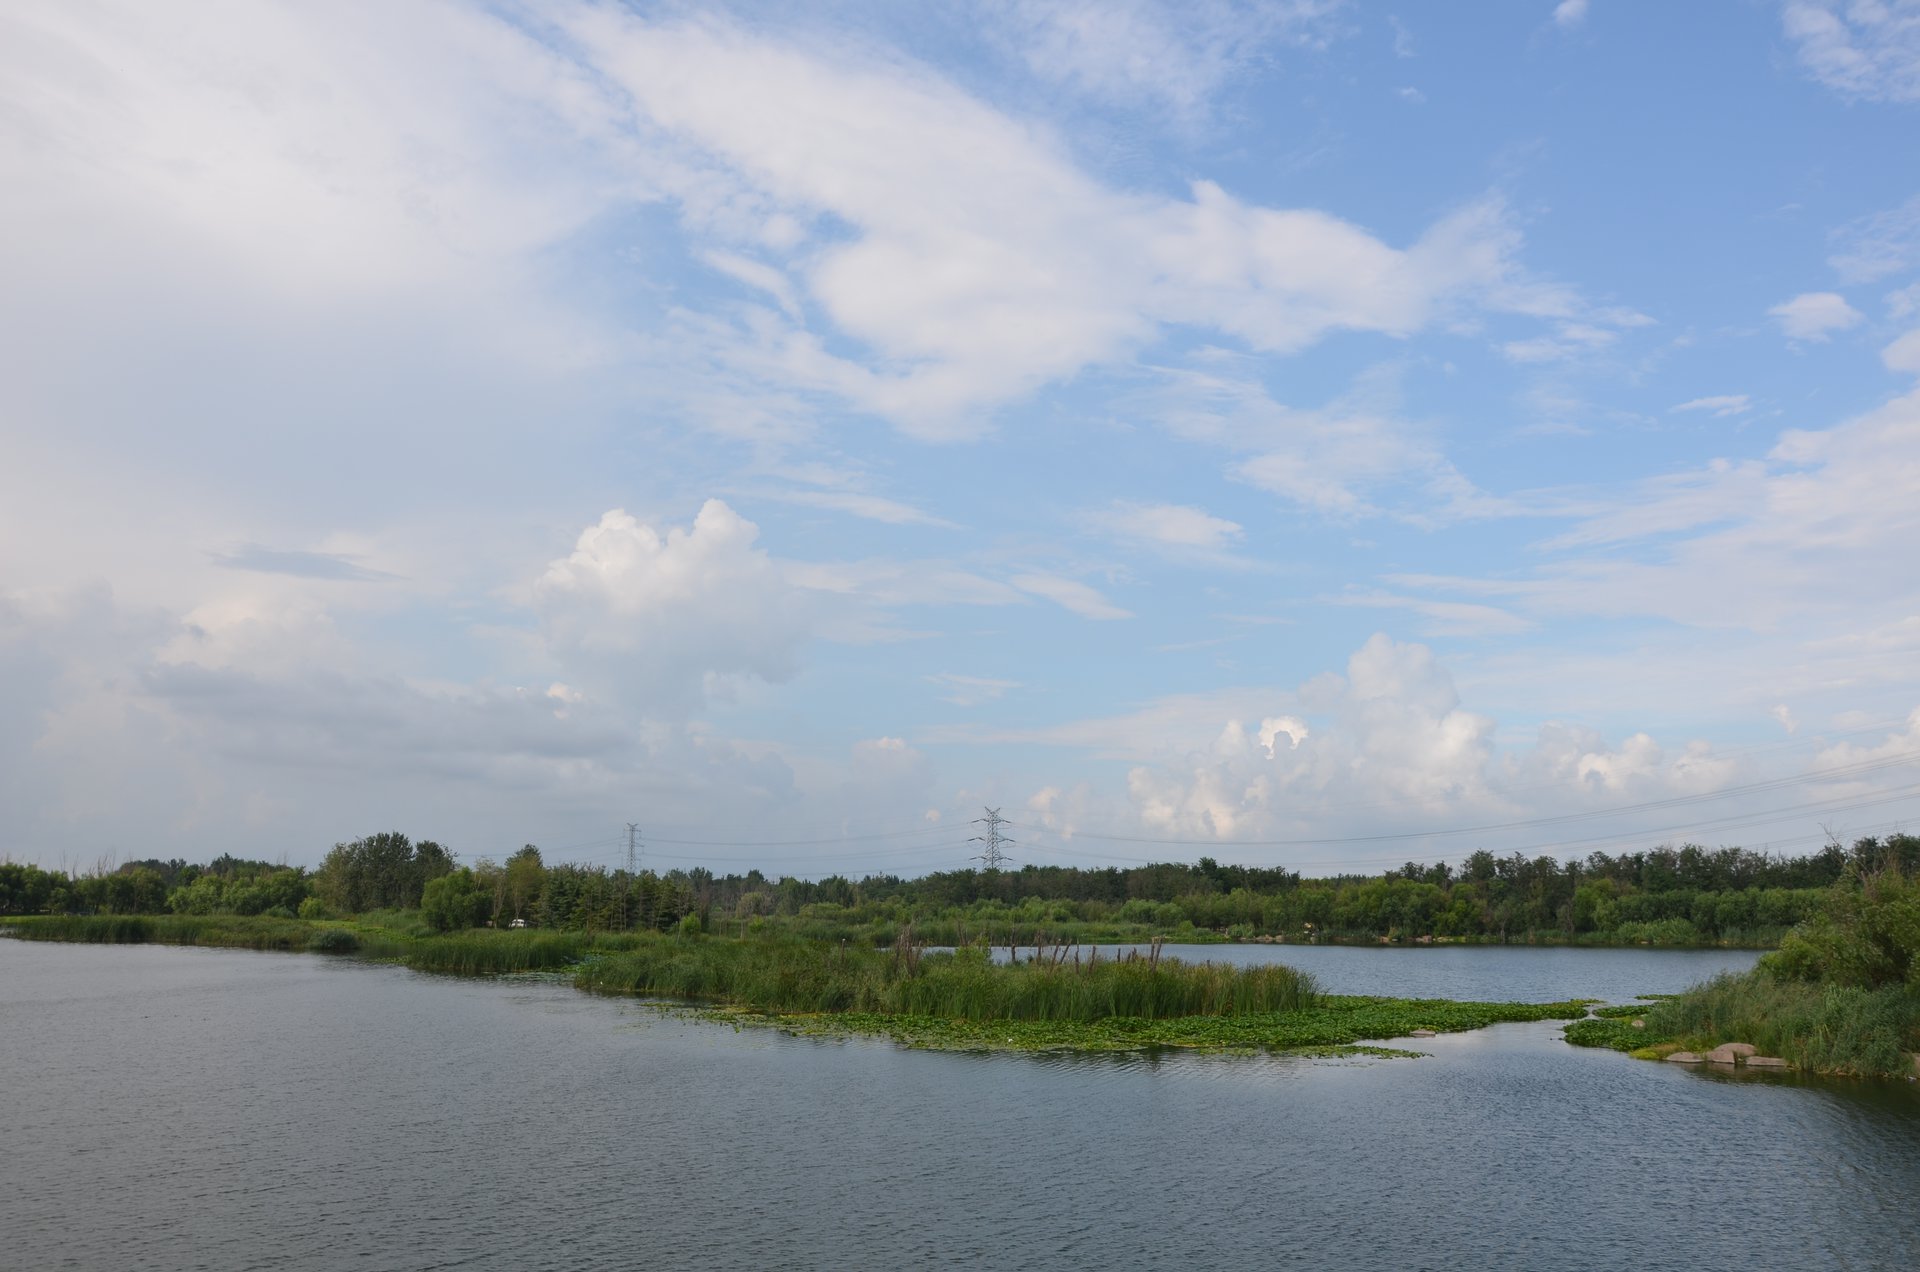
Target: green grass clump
x: 481, y: 952
x: 786, y: 975
x: 333, y: 941
x: 1608, y: 1031
x: 1623, y: 1011
x: 1846, y: 1030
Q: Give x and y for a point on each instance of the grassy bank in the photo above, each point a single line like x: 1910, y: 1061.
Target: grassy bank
x: 1839, y: 1030
x: 230, y: 931
x: 394, y: 937
x: 1841, y: 996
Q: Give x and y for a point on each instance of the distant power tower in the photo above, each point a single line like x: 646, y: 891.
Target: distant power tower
x: 991, y: 855
x: 633, y: 863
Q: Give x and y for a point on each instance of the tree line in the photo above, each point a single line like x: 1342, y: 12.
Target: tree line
x: 1665, y: 894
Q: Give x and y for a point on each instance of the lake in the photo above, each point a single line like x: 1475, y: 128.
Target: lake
x: 172, y: 1108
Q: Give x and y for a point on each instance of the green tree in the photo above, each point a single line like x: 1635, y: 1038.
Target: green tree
x: 526, y: 878
x: 454, y: 900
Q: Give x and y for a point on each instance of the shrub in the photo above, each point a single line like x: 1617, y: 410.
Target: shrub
x: 334, y: 941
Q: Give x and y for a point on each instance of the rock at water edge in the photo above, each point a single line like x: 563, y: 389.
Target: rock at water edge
x: 1683, y: 1057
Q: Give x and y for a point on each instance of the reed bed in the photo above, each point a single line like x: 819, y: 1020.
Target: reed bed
x: 1838, y: 1029
x: 493, y: 953
x: 800, y: 976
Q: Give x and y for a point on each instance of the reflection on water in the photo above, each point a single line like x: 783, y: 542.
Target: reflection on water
x: 169, y: 1108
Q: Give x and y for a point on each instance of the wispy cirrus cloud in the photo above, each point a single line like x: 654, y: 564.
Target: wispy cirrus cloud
x: 1859, y: 48
x: 1719, y: 406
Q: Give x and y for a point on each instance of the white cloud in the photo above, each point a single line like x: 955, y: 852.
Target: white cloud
x: 1393, y: 732
x: 1174, y: 528
x: 656, y: 615
x: 1814, y: 540
x: 1403, y: 43
x: 1720, y: 407
x: 376, y: 146
x: 1569, y: 340
x: 871, y: 507
x: 1815, y: 316
x: 1070, y: 594
x: 1333, y: 459
x: 1139, y: 52
x: 971, y: 691
x: 1878, y: 246
x: 1904, y: 353
x: 1859, y: 48
x: 974, y: 261
x: 1446, y: 618
x: 1570, y: 13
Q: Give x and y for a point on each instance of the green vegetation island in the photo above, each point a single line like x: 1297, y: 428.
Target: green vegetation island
x: 1840, y: 994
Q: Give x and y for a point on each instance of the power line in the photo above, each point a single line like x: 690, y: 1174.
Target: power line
x: 800, y: 843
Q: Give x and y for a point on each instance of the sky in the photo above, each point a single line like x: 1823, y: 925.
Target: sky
x: 1311, y: 433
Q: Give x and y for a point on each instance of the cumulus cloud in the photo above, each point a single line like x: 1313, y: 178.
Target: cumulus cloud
x: 658, y: 614
x: 1393, y: 726
x: 1859, y: 48
x: 1814, y: 316
x: 1386, y: 762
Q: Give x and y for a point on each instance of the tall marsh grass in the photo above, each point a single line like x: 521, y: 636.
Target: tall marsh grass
x: 789, y: 975
x: 1826, y: 1028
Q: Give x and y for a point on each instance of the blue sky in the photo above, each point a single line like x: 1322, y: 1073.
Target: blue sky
x: 1312, y: 433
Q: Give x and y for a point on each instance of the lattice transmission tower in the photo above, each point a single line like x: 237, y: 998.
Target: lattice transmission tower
x: 991, y: 857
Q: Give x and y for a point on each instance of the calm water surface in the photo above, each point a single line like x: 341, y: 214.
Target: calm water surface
x: 177, y: 1109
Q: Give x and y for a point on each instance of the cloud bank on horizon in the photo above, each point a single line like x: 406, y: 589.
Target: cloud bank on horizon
x: 1294, y: 432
